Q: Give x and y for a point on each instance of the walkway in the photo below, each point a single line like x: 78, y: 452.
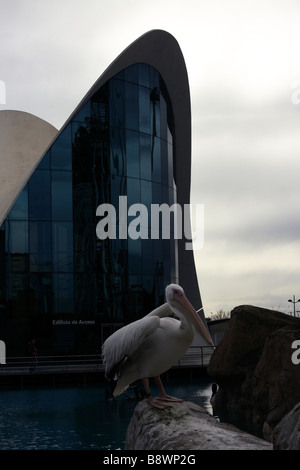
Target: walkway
x: 20, y: 369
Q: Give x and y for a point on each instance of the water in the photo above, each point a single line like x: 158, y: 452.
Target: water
x: 79, y: 417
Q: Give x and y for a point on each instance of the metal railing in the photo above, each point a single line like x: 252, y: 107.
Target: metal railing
x: 196, y: 356
x: 52, y: 365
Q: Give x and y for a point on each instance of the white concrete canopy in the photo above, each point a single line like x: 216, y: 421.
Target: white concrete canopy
x: 24, y: 138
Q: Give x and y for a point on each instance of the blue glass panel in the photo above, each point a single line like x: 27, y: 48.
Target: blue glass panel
x: 131, y: 106
x: 85, y: 293
x: 158, y: 258
x: 62, y: 243
x: 165, y: 194
x: 18, y: 290
x: 135, y: 300
x: 135, y: 256
x: 131, y: 74
x: 120, y: 75
x: 146, y: 161
x: 156, y: 158
x: 132, y: 154
x: 154, y: 78
x: 117, y: 103
x: 61, y: 151
x: 77, y: 127
x: 41, y: 293
x: 45, y: 162
x: 148, y: 285
x: 133, y: 191
x: 156, y: 191
x: 63, y: 293
x: 147, y: 254
x: 146, y: 194
x: 18, y: 246
x: 149, y: 294
x: 40, y: 247
x: 144, y: 110
x: 117, y: 151
x: 170, y: 164
x: 155, y: 112
x: 118, y: 188
x: 163, y: 118
x: 39, y: 195
x: 20, y: 208
x: 84, y: 113
x: 175, y: 268
x: 164, y: 162
x: 166, y: 256
x: 144, y: 74
x: 84, y: 246
x: 171, y: 195
x: 61, y: 184
x: 18, y: 237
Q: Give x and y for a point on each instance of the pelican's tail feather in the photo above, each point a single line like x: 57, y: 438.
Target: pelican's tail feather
x: 120, y: 388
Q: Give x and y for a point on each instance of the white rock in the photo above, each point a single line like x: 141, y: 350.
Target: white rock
x: 185, y: 426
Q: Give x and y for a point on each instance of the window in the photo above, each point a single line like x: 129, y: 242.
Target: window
x: 61, y: 185
x: 41, y: 293
x: 61, y: 151
x: 144, y: 110
x: 40, y: 246
x: 117, y: 103
x: 45, y: 162
x: 146, y: 161
x: 19, y: 211
x: 132, y: 154
x: 39, y: 195
x: 63, y: 293
x: 62, y: 244
x: 132, y: 106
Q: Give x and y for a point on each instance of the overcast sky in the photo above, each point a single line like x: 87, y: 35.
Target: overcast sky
x: 243, y: 62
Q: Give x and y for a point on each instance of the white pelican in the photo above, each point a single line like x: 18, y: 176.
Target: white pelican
x: 152, y: 345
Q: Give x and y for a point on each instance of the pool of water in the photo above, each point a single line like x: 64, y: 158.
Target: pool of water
x: 78, y: 417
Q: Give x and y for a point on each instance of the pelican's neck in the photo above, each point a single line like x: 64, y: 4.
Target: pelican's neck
x: 183, y: 321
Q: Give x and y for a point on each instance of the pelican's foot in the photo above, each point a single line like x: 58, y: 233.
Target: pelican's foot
x: 169, y: 398
x: 158, y: 402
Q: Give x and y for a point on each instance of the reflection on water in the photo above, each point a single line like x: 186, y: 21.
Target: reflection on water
x: 77, y: 417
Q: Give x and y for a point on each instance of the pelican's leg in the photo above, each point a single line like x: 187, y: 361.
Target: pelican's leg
x: 155, y: 402
x: 163, y: 396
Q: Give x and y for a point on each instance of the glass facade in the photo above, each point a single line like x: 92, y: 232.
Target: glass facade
x: 53, y: 267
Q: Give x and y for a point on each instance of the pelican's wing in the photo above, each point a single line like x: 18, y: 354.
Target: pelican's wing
x: 126, y: 341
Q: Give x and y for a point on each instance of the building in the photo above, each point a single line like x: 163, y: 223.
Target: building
x: 130, y: 137
x: 217, y: 329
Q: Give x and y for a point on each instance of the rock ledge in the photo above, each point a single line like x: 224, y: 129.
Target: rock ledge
x: 185, y: 426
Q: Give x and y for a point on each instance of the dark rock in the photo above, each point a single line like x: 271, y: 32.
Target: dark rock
x: 185, y: 426
x: 286, y: 435
x: 258, y: 382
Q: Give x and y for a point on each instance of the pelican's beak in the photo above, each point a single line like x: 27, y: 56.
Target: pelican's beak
x: 195, y: 319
